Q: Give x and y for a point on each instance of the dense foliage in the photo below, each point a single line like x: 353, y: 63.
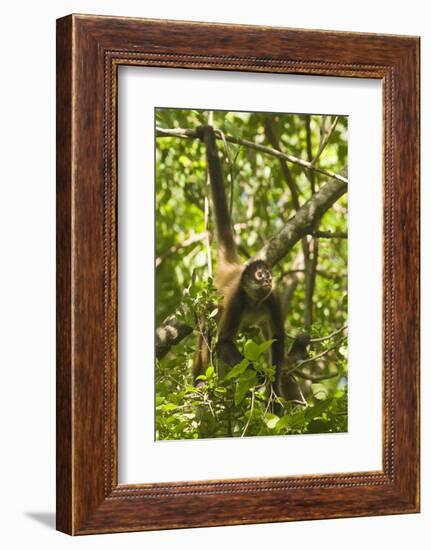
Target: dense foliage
x: 311, y: 279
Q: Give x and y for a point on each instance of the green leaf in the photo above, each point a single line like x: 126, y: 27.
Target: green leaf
x: 317, y: 410
x: 232, y: 129
x: 209, y: 372
x: 168, y: 407
x: 271, y: 420
x: 251, y: 350
x: 284, y: 421
x: 265, y: 345
x: 247, y: 381
x: 297, y: 420
x: 320, y: 391
x: 237, y: 370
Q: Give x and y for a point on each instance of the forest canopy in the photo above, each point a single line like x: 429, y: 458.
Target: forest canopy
x: 286, y: 185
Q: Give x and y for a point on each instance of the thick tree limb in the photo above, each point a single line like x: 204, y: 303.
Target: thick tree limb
x: 302, y: 222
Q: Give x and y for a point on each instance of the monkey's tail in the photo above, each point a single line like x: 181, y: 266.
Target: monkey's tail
x: 221, y: 211
x: 202, y: 357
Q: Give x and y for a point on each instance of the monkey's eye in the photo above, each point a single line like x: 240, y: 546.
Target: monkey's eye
x: 259, y: 275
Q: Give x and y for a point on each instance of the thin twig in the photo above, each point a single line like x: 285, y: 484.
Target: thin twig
x: 301, y: 363
x: 210, y: 407
x: 330, y: 234
x: 250, y: 415
x: 316, y: 377
x: 324, y: 141
x: 323, y: 338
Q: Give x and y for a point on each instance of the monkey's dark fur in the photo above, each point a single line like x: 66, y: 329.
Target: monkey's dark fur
x: 247, y: 293
x: 291, y: 390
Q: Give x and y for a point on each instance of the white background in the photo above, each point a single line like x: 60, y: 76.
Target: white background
x: 141, y: 458
x: 27, y: 407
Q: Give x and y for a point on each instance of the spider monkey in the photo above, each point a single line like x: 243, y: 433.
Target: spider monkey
x: 248, y: 297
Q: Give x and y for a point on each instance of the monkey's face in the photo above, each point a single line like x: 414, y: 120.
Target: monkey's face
x: 263, y: 277
x: 257, y: 280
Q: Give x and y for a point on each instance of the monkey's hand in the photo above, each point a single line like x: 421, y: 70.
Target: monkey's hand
x: 228, y: 352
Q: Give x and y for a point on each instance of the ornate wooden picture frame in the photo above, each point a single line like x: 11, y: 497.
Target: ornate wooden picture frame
x: 89, y: 51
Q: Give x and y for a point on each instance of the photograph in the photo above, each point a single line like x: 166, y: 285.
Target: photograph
x: 251, y: 273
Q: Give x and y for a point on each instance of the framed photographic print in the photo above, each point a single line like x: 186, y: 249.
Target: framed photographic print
x: 237, y: 274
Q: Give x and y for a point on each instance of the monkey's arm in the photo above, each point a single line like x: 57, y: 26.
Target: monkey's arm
x: 277, y: 327
x: 228, y: 329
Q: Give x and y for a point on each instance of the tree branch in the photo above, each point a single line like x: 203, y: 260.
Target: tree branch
x: 323, y: 338
x: 287, y: 175
x: 291, y: 183
x: 186, y: 133
x: 313, y: 244
x: 287, y: 291
x: 310, y: 282
x: 316, y: 377
x: 302, y: 222
x: 324, y: 141
x: 320, y: 272
x: 303, y: 362
x: 330, y: 234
